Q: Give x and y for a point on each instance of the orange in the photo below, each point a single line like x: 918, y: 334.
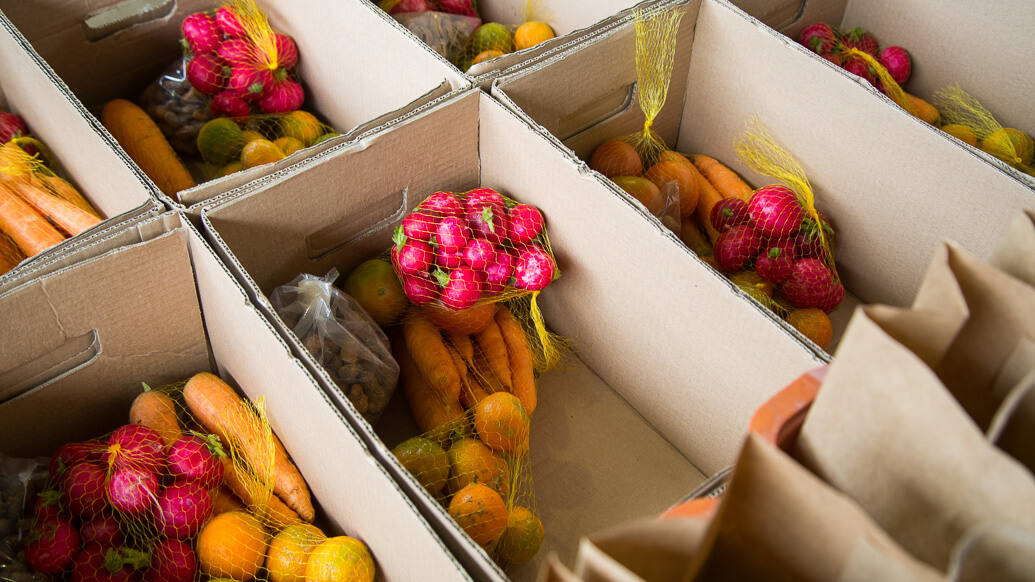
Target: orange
x: 480, y: 512
x: 642, y: 190
x: 673, y: 174
x: 426, y: 461
x: 260, y: 151
x: 532, y: 33
x: 486, y: 55
x: 616, y: 158
x: 753, y: 283
x: 374, y: 285
x: 289, y: 552
x: 250, y: 135
x: 230, y: 168
x: 339, y: 559
x: 470, y: 461
x: 220, y: 141
x: 232, y: 545
x: 814, y: 324
x: 501, y: 422
x: 303, y: 126
x: 522, y: 538
x: 288, y: 145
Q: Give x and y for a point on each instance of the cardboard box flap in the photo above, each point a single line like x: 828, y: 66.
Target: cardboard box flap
x: 777, y: 14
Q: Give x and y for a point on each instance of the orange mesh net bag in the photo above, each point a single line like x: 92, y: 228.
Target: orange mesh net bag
x: 196, y: 487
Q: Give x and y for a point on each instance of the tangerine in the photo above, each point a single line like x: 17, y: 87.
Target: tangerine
x: 260, y: 151
x: 532, y: 33
x: 339, y: 559
x: 502, y: 423
x: 479, y: 510
x: 289, y: 552
x: 814, y: 324
x: 233, y: 545
x: 426, y: 461
x: 375, y: 287
x: 470, y: 461
x: 522, y: 538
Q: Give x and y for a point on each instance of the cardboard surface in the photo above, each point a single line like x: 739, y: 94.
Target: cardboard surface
x: 354, y: 67
x: 205, y: 319
x: 893, y: 190
x: 654, y: 390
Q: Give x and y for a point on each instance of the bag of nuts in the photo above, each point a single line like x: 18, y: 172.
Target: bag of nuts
x: 177, y: 107
x: 342, y: 337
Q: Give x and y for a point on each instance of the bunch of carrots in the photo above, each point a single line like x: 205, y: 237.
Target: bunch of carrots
x: 38, y: 209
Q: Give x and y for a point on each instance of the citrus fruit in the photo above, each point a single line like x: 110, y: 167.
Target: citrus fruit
x: 480, y: 512
x: 260, y: 151
x: 251, y: 135
x: 289, y: 552
x: 325, y: 137
x: 426, y: 461
x: 532, y: 33
x: 522, y: 538
x: 501, y: 422
x: 234, y: 166
x: 753, y: 284
x: 491, y: 36
x: 1010, y: 145
x: 814, y: 324
x: 301, y: 125
x: 339, y: 559
x: 961, y: 132
x: 288, y: 145
x: 233, y: 545
x: 470, y: 461
x: 374, y: 285
x: 220, y: 141
x: 486, y: 55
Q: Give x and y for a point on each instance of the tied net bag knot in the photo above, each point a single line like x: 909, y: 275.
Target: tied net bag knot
x: 342, y: 337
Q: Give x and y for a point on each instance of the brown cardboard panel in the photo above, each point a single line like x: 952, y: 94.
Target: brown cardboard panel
x: 655, y: 388
x: 775, y: 13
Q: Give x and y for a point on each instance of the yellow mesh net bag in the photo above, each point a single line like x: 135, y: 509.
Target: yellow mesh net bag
x: 966, y: 118
x: 473, y: 395
x: 196, y: 487
x: 38, y: 208
x: 495, y: 39
x: 640, y: 163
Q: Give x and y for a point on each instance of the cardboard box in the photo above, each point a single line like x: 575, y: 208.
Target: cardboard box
x: 117, y: 190
x: 893, y: 186
x: 973, y: 43
x: 670, y: 362
x: 354, y: 67
x: 158, y: 306
x: 570, y: 21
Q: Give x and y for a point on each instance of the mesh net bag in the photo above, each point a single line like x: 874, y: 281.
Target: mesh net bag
x: 196, y: 487
x: 473, y: 395
x: 964, y: 117
x: 234, y: 99
x: 495, y: 39
x: 38, y: 208
x: 344, y: 339
x: 664, y: 181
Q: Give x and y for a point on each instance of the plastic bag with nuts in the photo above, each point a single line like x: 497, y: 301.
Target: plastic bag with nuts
x: 177, y: 107
x: 344, y: 339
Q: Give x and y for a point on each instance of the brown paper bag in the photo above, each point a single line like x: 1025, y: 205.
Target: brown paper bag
x: 650, y: 550
x: 1015, y: 253
x: 1003, y: 553
x: 885, y: 431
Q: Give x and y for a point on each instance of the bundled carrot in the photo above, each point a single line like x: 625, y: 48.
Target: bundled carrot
x: 26, y: 227
x: 431, y: 357
x: 62, y: 189
x: 490, y: 340
x: 67, y: 216
x: 520, y: 358
x: 10, y: 254
x: 724, y: 180
x: 157, y: 411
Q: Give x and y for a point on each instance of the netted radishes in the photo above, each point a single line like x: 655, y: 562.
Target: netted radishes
x: 52, y: 546
x: 194, y: 459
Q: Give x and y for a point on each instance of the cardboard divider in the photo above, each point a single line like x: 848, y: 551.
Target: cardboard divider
x: 656, y: 398
x: 82, y: 148
x: 355, y: 69
x: 205, y: 323
x: 892, y: 185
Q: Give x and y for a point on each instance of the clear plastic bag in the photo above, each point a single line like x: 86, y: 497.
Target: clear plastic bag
x: 344, y: 339
x: 20, y: 481
x: 446, y: 34
x: 177, y: 107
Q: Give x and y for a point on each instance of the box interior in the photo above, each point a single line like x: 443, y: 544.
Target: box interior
x: 100, y: 175
x: 380, y: 75
x: 887, y: 208
x: 650, y: 391
x: 106, y: 299
x: 949, y: 42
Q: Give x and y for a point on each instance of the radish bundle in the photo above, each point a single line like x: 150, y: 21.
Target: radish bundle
x: 196, y: 486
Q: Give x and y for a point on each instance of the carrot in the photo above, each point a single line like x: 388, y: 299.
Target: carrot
x: 694, y: 238
x: 520, y: 357
x: 67, y: 192
x: 429, y: 353
x: 464, y: 346
x: 471, y: 391
x: 20, y: 221
x: 254, y: 494
x: 67, y: 216
x: 219, y: 409
x: 491, y: 342
x: 725, y: 180
x: 709, y: 198
x: 143, y: 141
x: 428, y: 410
x: 157, y: 411
x: 224, y: 500
x: 10, y: 254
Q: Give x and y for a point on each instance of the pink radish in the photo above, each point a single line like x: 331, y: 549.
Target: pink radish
x: 249, y: 82
x: 486, y: 215
x: 229, y: 104
x: 411, y: 6
x: 71, y: 454
x: 172, y: 560
x: 103, y: 529
x: 283, y: 96
x: 420, y: 289
x: 137, y: 446
x: 97, y: 563
x: 860, y: 38
x: 736, y: 247
x: 192, y: 458
x: 497, y: 274
x: 238, y: 52
x: 287, y: 54
x: 449, y: 260
x: 896, y: 60
x: 451, y: 234
x: 534, y: 269
x: 526, y: 222
x: 775, y: 211
x: 419, y: 226
x: 857, y: 66
x: 201, y: 32
x: 443, y: 204
x: 479, y: 253
x: 462, y: 7
x: 415, y: 257
x: 48, y: 505
x: 812, y: 284
x: 229, y: 23
x: 819, y: 37
x: 52, y: 546
x: 729, y: 212
x: 84, y: 488
x: 775, y: 261
x: 132, y: 491
x: 462, y: 287
x: 205, y: 73
x: 181, y: 509
x: 11, y: 126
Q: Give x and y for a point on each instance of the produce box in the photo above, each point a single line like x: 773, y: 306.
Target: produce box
x: 157, y: 306
x: 891, y: 186
x: 970, y: 43
x: 447, y: 34
x: 656, y: 395
x: 77, y: 150
x: 352, y: 65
